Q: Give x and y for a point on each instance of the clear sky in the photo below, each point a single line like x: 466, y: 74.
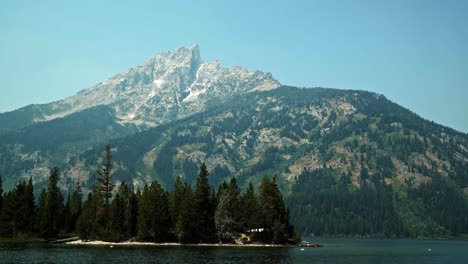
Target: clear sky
x: 415, y: 52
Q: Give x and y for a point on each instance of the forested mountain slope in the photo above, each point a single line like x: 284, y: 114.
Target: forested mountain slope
x: 352, y: 162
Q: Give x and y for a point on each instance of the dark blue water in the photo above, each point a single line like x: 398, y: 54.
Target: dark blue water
x: 336, y: 250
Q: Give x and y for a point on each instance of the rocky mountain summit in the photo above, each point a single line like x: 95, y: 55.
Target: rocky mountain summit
x: 169, y: 86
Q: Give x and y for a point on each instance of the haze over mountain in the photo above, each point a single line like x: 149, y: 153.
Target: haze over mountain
x: 167, y: 116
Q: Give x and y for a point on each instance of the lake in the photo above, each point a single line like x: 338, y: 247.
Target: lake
x: 335, y: 250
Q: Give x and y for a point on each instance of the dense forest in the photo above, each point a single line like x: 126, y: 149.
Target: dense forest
x: 324, y: 203
x: 119, y: 213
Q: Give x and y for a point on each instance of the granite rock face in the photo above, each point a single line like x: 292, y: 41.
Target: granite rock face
x: 169, y: 86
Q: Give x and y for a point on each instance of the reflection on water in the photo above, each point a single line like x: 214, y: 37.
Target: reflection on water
x: 335, y: 251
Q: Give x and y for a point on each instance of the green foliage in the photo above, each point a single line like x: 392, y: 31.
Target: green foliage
x: 274, y: 216
x: 17, y: 214
x: 224, y: 219
x: 204, y: 208
x: 182, y: 212
x: 324, y: 206
x: 117, y: 219
x: 443, y: 202
x: 176, y: 198
x: 185, y: 227
x: 74, y: 207
x: 250, y: 213
x: 51, y: 208
x: 153, y: 214
x: 228, y: 211
x: 86, y: 225
x: 130, y: 210
x: 105, y: 181
x: 150, y: 215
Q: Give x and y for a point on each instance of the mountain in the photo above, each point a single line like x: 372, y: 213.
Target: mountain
x: 349, y: 162
x: 169, y: 86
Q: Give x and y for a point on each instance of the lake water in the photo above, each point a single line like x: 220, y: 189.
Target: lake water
x: 336, y: 250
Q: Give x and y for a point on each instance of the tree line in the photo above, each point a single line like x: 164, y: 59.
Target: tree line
x: 185, y: 214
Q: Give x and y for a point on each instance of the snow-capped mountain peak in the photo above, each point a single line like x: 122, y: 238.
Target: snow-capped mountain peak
x: 172, y: 84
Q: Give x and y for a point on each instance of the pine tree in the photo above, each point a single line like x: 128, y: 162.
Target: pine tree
x: 123, y: 214
x: 224, y: 220
x: 153, y: 214
x: 75, y: 206
x: 41, y: 212
x: 144, y: 210
x: 17, y: 216
x: 131, y: 213
x: 234, y: 205
x: 30, y: 207
x: 273, y: 212
x: 86, y: 224
x: 12, y: 213
x: 223, y: 187
x: 9, y: 215
x: 204, y: 208
x: 52, y: 218
x: 228, y: 211
x: 176, y: 201
x: 185, y: 229
x: 66, y: 215
x: 117, y: 219
x: 250, y: 209
x: 105, y: 181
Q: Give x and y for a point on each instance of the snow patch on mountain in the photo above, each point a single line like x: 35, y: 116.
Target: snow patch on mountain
x: 171, y: 85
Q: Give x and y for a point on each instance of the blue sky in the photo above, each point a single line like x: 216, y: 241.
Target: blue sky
x: 415, y: 52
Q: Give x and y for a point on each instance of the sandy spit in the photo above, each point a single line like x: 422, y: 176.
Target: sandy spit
x: 133, y: 243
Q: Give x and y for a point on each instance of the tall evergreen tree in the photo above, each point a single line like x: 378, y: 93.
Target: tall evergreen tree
x: 185, y: 229
x: 105, y: 181
x: 234, y: 205
x: 273, y: 212
x: 17, y: 216
x: 66, y: 214
x: 117, y: 219
x: 176, y: 201
x: 30, y: 206
x: 250, y: 209
x: 131, y: 214
x: 228, y: 211
x: 86, y: 224
x: 223, y: 187
x: 41, y: 212
x: 204, y: 208
x: 224, y: 220
x: 52, y: 217
x: 123, y: 214
x: 75, y: 206
x: 153, y: 214
x: 10, y: 216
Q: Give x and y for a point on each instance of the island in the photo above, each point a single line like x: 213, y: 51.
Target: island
x: 118, y: 214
